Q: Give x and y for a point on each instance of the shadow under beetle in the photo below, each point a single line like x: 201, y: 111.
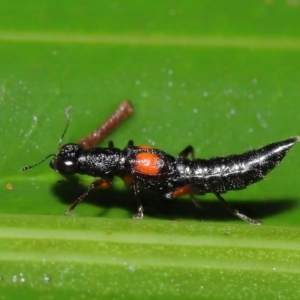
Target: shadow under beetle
x: 143, y: 167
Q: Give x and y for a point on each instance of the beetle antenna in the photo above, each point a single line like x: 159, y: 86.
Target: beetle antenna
x: 32, y: 166
x: 68, y: 109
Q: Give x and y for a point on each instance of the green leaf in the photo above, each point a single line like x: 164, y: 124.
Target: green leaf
x: 222, y: 77
x: 112, y: 258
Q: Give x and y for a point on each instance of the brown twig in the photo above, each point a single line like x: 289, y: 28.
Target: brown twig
x: 124, y: 110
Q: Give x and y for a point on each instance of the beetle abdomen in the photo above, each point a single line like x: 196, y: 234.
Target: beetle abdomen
x: 234, y: 172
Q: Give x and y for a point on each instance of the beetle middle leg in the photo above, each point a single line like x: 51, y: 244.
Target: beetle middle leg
x: 129, y: 182
x: 136, y: 190
x: 195, y: 202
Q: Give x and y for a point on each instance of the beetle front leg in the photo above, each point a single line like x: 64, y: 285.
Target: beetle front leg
x: 100, y: 183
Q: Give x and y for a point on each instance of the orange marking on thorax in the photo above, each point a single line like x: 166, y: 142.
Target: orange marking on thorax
x: 148, y: 163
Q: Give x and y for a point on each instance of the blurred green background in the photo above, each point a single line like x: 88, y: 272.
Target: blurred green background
x: 221, y: 76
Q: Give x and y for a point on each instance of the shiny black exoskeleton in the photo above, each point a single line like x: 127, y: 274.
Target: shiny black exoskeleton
x: 153, y: 169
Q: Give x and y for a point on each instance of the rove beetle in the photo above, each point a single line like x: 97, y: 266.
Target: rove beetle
x: 143, y: 167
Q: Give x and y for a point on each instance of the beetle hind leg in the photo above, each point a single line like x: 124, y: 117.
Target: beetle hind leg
x: 235, y: 212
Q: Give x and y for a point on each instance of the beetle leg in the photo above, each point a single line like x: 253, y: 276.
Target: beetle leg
x: 100, y: 183
x: 130, y: 144
x: 136, y: 190
x: 188, y: 189
x: 183, y: 191
x: 195, y: 202
x: 185, y: 152
x: 235, y: 212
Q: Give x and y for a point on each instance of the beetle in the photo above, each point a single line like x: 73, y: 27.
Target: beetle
x: 143, y: 167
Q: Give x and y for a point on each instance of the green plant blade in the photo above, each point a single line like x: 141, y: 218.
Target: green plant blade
x: 222, y: 77
x: 106, y: 258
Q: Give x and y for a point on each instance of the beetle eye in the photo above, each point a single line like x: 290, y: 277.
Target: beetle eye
x: 65, y: 166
